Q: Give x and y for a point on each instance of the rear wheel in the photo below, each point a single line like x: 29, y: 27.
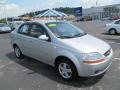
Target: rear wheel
x: 18, y: 52
x: 112, y: 32
x: 66, y: 69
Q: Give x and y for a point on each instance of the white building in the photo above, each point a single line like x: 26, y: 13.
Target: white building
x: 98, y: 12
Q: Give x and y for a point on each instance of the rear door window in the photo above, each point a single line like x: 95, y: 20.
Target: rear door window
x: 24, y: 29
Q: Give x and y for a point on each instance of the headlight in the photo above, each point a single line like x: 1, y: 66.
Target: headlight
x: 92, y: 58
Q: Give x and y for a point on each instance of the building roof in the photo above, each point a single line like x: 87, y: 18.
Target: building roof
x: 51, y: 13
x: 45, y: 21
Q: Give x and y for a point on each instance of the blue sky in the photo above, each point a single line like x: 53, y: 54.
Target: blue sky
x: 41, y: 4
x: 58, y: 3
x: 17, y: 7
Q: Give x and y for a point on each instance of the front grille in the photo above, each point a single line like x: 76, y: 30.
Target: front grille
x: 107, y: 53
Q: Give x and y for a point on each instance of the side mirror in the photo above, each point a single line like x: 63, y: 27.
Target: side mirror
x: 43, y: 37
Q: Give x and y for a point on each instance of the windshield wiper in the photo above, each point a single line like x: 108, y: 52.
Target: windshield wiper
x: 63, y: 37
x: 79, y: 34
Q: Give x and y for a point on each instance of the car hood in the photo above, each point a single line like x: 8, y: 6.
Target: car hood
x: 87, y: 43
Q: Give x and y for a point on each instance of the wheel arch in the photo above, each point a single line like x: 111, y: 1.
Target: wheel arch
x: 59, y: 58
x: 112, y: 29
x: 67, y: 58
x: 14, y: 45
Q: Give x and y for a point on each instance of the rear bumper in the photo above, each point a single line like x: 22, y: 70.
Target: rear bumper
x: 1, y: 31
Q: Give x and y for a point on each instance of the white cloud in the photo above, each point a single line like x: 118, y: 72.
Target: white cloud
x: 9, y: 10
x: 76, y: 3
x: 11, y: 7
x: 90, y: 3
x: 51, y: 4
x: 56, y: 3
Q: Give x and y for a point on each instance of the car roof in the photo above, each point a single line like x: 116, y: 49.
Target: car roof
x: 44, y: 21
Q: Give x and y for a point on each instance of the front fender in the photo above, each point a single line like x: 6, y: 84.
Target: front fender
x: 70, y: 56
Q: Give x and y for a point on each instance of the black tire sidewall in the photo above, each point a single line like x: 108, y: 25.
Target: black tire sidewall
x: 21, y: 55
x: 74, y: 71
x: 112, y: 30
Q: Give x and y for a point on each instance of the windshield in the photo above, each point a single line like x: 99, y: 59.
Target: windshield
x: 65, y: 30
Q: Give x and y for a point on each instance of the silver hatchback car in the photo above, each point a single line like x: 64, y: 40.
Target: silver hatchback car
x: 62, y: 45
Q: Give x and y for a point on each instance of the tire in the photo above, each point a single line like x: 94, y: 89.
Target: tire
x: 18, y: 52
x: 112, y: 32
x: 66, y: 69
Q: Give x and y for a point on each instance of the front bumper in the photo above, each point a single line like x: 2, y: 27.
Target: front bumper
x: 106, y: 30
x: 88, y: 70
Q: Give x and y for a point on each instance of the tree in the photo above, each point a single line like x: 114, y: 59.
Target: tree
x: 2, y: 21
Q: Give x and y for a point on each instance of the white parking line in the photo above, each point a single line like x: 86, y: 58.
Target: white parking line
x: 2, y: 66
x: 117, y: 58
x: 113, y: 42
x: 25, y: 70
x: 20, y: 89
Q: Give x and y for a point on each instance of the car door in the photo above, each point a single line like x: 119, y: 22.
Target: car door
x: 23, y: 39
x: 41, y: 49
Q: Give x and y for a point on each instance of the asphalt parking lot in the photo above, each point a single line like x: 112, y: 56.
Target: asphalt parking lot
x: 29, y: 74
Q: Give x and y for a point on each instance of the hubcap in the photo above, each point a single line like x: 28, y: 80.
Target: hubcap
x: 17, y: 52
x: 112, y: 31
x: 65, y: 70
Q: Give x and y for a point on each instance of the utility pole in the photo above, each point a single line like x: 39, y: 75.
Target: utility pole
x: 3, y: 5
x: 97, y: 1
x: 99, y: 13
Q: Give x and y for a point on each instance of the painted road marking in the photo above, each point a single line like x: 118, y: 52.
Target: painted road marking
x: 117, y: 58
x: 2, y: 66
x: 112, y: 42
x: 20, y: 89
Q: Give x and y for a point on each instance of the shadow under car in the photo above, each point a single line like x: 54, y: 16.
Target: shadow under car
x: 49, y: 72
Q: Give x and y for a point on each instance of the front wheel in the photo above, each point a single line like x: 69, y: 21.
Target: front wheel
x: 112, y: 32
x: 66, y: 69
